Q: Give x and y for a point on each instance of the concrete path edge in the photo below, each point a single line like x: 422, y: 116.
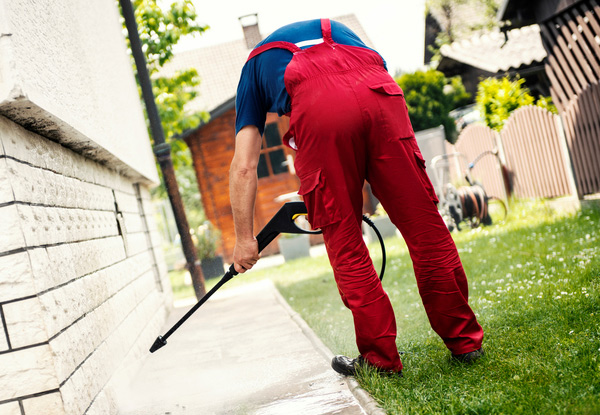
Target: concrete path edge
x: 365, y: 400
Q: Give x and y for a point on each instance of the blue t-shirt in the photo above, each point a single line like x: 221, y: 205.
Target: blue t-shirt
x: 261, y: 88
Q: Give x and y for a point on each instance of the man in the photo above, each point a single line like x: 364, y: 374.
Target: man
x: 348, y: 123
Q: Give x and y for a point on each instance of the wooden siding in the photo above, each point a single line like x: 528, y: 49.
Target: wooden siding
x: 573, y: 67
x: 573, y: 52
x: 582, y: 125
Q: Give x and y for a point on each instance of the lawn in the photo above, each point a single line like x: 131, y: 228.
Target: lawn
x: 534, y: 285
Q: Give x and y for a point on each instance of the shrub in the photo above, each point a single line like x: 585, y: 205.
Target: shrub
x: 498, y: 98
x: 430, y: 96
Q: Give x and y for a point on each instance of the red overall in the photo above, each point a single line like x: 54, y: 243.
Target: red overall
x: 349, y: 122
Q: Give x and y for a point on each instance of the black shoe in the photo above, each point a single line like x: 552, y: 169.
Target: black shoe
x: 469, y: 357
x: 348, y: 367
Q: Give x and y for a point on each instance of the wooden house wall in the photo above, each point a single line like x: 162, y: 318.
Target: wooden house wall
x: 212, y: 147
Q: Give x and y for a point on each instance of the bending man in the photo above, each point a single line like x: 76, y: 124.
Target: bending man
x: 349, y: 123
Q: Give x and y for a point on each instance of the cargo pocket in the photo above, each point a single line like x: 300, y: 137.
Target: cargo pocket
x: 393, y: 110
x: 424, y: 177
x: 319, y: 200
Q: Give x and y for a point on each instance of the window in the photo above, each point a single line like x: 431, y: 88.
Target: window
x: 272, y: 157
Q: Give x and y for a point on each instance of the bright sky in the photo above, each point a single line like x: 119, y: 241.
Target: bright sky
x: 396, y: 27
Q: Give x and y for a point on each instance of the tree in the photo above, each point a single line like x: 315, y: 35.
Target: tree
x: 430, y: 96
x: 160, y: 30
x: 498, y: 98
x: 459, y: 19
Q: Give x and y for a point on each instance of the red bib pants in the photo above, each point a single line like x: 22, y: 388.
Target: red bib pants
x: 350, y: 123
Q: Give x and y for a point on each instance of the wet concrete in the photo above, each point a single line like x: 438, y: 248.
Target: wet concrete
x: 243, y: 352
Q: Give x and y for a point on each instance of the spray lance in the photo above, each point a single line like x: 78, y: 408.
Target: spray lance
x: 282, y: 222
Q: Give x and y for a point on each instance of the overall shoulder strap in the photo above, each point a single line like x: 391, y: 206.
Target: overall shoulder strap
x: 326, y: 30
x: 274, y: 45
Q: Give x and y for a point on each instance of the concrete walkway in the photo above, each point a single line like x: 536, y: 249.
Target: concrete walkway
x: 243, y: 352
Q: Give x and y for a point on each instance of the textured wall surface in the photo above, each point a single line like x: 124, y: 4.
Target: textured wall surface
x: 65, y: 73
x: 83, y: 286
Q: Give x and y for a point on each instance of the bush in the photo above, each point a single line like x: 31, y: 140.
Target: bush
x: 430, y: 96
x: 498, y: 98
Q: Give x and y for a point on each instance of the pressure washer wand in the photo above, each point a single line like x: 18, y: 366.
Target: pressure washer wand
x: 282, y: 222
x: 162, y: 340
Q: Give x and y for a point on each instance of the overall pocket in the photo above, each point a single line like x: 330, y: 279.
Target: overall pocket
x: 393, y: 109
x: 319, y: 200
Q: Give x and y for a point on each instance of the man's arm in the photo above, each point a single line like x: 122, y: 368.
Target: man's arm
x: 243, y: 182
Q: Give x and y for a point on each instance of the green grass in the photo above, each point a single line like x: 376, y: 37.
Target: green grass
x: 534, y: 285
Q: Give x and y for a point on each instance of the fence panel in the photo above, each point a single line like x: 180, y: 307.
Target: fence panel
x: 531, y: 140
x: 473, y: 141
x: 582, y: 125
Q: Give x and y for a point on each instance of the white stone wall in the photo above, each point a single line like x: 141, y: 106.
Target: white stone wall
x: 81, y: 297
x: 65, y: 73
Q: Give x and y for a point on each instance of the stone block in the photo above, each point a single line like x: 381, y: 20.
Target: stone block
x: 79, y: 341
x: 127, y: 202
x: 137, y: 243
x: 6, y: 191
x: 96, y: 254
x: 151, y: 222
x: 156, y: 239
x: 64, y: 305
x: 19, y: 143
x: 3, y: 339
x: 93, y: 197
x: 12, y: 234
x: 11, y: 408
x: 52, y: 266
x: 25, y: 322
x: 50, y: 404
x: 27, y: 372
x: 48, y: 225
x: 16, y: 277
x: 133, y: 223
x: 31, y: 224
x: 145, y: 192
x: 30, y: 184
x: 103, y: 405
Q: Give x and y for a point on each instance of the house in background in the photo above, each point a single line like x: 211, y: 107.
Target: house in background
x: 212, y: 143
x: 475, y: 54
x: 496, y: 54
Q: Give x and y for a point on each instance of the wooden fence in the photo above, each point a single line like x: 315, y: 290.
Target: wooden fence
x: 535, y: 154
x: 582, y: 127
x: 532, y: 147
x: 475, y: 140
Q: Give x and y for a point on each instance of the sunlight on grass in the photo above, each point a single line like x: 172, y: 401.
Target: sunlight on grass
x: 534, y: 284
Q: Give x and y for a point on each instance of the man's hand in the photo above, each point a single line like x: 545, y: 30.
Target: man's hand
x: 245, y: 254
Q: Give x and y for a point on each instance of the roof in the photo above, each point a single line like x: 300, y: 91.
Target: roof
x: 493, y: 52
x: 220, y: 67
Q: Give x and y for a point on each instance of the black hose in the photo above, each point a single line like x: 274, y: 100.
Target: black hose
x: 369, y: 222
